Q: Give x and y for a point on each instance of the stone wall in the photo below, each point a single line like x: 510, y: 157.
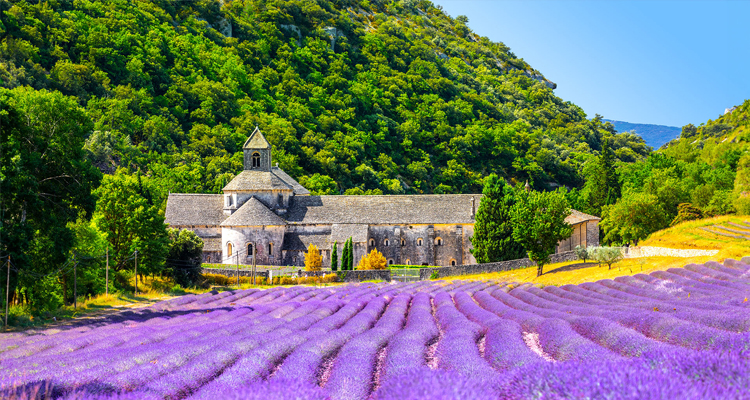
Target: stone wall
x: 232, y: 273
x: 348, y: 276
x: 425, y: 273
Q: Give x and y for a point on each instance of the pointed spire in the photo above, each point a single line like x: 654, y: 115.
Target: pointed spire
x: 256, y: 141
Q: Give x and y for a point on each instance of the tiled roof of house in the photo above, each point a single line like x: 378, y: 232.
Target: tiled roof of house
x: 299, y: 190
x: 253, y: 213
x: 255, y: 180
x: 194, y: 210
x: 402, y: 209
x: 576, y: 217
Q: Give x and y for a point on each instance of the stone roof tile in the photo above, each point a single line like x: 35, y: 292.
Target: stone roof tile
x: 299, y: 190
x: 253, y: 213
x: 401, y: 209
x: 302, y: 240
x: 256, y: 141
x: 194, y: 210
x: 255, y: 180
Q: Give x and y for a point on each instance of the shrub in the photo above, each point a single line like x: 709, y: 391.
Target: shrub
x: 582, y: 253
x: 374, y: 260
x: 435, y: 275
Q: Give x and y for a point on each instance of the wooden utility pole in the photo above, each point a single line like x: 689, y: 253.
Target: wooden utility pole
x: 75, y: 282
x: 106, y: 276
x: 7, y: 290
x: 136, y: 272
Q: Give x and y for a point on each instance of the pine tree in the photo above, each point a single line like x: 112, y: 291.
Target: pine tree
x: 334, y: 257
x: 493, y: 233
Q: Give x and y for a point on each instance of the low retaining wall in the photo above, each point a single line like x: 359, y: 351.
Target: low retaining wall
x: 348, y: 276
x: 648, y: 251
x: 500, y: 266
x: 232, y: 273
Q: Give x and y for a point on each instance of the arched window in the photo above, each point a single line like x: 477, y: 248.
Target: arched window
x: 453, y: 263
x: 250, y: 250
x: 229, y: 249
x: 438, y: 241
x: 403, y: 242
x: 419, y: 242
x: 256, y: 160
x: 408, y: 262
x: 390, y: 262
x: 387, y: 242
x: 270, y: 249
x: 372, y: 242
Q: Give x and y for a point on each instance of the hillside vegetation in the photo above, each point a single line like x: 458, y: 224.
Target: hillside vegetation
x: 355, y: 96
x: 703, y: 173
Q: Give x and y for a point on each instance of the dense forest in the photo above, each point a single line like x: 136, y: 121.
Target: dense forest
x: 356, y: 97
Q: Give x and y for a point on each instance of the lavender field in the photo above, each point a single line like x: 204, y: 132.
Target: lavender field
x: 681, y: 333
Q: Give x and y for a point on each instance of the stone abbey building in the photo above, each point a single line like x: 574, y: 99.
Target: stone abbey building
x: 265, y: 211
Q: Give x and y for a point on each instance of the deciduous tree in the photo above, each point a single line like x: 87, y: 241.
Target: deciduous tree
x: 313, y: 260
x: 538, y: 220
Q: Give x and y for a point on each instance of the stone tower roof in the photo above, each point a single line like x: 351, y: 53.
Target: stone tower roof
x: 256, y: 180
x: 253, y: 213
x: 256, y: 141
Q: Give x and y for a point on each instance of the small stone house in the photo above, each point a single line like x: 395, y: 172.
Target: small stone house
x: 266, y: 213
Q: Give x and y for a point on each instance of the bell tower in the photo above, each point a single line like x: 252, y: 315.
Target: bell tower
x: 257, y: 152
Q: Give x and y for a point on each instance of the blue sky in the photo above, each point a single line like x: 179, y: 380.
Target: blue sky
x: 655, y: 62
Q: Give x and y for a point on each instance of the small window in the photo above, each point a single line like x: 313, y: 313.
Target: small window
x: 408, y: 262
x: 419, y: 242
x: 453, y: 263
x: 390, y: 262
x: 270, y: 249
x: 372, y: 242
x: 229, y: 249
x: 403, y: 242
x: 256, y: 160
x: 387, y: 242
x: 438, y: 241
x: 250, y: 250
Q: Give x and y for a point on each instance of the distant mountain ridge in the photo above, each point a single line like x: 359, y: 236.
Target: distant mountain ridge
x: 654, y: 135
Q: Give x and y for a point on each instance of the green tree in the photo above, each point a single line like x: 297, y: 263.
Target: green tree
x: 185, y: 256
x: 602, y: 186
x: 538, y: 220
x: 131, y: 223
x: 493, y: 232
x: 46, y: 183
x: 334, y: 256
x: 633, y: 218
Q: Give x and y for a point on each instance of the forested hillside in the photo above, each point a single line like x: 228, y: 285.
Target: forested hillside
x: 107, y: 106
x: 705, y: 172
x: 356, y: 96
x: 654, y: 135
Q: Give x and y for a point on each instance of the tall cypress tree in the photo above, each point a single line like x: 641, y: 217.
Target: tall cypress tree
x: 493, y: 233
x: 334, y: 257
x: 345, y: 256
x: 350, y: 255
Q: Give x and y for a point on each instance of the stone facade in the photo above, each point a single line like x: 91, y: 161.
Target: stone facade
x: 265, y: 212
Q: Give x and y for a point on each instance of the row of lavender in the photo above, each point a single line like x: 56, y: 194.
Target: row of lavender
x: 680, y: 333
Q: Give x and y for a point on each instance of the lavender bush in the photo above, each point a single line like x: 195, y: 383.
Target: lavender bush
x: 680, y: 333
